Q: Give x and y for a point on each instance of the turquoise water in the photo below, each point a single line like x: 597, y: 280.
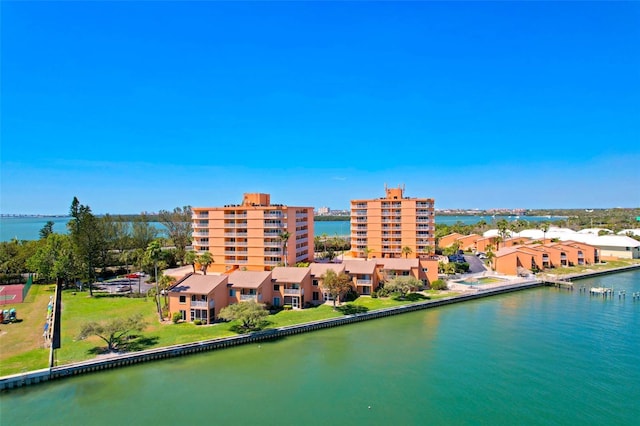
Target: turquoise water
x: 27, y: 228
x: 536, y: 357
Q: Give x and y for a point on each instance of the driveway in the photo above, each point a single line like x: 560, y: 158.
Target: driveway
x: 475, y: 265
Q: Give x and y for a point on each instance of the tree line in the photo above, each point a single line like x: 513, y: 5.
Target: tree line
x: 100, y: 246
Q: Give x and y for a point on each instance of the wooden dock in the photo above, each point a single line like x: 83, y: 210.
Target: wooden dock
x: 558, y: 283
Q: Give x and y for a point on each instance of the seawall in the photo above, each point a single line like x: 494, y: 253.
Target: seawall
x: 68, y: 370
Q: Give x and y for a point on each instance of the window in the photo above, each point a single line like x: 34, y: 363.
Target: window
x: 276, y: 287
x: 183, y: 299
x: 316, y: 295
x: 315, y: 283
x: 193, y: 297
x: 183, y: 314
x: 232, y: 292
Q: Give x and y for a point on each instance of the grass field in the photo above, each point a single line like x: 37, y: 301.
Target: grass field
x: 597, y: 267
x: 22, y: 343
x: 20, y: 354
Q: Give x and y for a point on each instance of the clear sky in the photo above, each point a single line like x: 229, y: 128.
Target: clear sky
x: 141, y: 106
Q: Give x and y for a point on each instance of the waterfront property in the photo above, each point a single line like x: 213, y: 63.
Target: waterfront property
x: 289, y: 286
x: 250, y: 235
x: 195, y: 296
x: 392, y: 226
x: 200, y: 297
x: 524, y: 259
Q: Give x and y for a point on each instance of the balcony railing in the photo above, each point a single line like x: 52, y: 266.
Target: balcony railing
x: 363, y: 282
x: 235, y: 234
x: 201, y: 234
x: 201, y: 225
x: 294, y: 292
x: 199, y: 304
x: 200, y: 216
x: 235, y: 252
x: 274, y: 215
x: 248, y: 297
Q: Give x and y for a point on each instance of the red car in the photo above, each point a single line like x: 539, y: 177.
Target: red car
x: 135, y: 275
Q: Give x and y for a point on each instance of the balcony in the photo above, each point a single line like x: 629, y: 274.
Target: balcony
x: 248, y: 297
x: 272, y: 262
x: 277, y: 224
x: 294, y: 292
x: 274, y: 215
x: 200, y: 304
x: 273, y: 252
x: 235, y: 234
x: 235, y: 216
x: 363, y: 282
x: 201, y: 216
x: 201, y: 234
x: 201, y: 225
x: 235, y: 252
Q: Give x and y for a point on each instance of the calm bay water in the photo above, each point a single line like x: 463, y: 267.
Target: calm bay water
x: 27, y: 228
x: 541, y: 356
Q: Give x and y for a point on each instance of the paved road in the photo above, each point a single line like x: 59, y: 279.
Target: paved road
x: 475, y: 265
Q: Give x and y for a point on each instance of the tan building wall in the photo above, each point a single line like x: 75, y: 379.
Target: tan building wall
x: 468, y: 242
x: 184, y: 298
x: 247, y: 236
x: 386, y: 225
x: 448, y: 240
x: 294, y: 292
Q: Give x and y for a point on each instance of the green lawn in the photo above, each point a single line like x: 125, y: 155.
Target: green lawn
x: 21, y: 343
x: 79, y: 308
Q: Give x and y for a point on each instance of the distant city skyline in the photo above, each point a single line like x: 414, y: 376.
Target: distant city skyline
x: 143, y: 106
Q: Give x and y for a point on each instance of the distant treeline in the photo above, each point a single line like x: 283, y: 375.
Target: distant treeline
x: 331, y: 218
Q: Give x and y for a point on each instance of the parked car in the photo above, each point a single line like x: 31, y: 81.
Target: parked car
x: 136, y: 275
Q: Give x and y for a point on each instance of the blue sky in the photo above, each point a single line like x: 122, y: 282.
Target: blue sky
x: 141, y: 106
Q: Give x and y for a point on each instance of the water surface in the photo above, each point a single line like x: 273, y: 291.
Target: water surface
x: 542, y: 356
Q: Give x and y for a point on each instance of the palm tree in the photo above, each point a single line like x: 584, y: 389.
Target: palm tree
x: 367, y: 251
x: 284, y: 237
x: 153, y: 253
x: 406, y: 250
x: 190, y: 258
x: 166, y: 281
x: 490, y: 255
x: 545, y: 228
x: 205, y: 259
x: 503, y: 228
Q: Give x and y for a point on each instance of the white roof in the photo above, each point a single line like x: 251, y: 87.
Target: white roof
x: 534, y: 234
x: 632, y: 231
x: 494, y: 233
x: 594, y: 231
x: 565, y: 234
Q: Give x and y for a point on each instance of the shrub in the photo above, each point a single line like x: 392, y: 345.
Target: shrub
x: 374, y: 295
x: 197, y: 322
x: 439, y: 285
x: 351, y: 295
x: 287, y: 307
x: 177, y: 316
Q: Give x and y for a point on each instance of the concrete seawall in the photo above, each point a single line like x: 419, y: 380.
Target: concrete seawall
x: 68, y: 370
x: 33, y: 377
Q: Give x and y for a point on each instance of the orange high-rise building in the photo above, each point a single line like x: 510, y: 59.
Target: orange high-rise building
x: 382, y: 227
x: 249, y: 235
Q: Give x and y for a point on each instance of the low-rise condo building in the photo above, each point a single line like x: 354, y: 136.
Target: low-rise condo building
x: 252, y: 235
x: 392, y: 226
x: 199, y: 297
